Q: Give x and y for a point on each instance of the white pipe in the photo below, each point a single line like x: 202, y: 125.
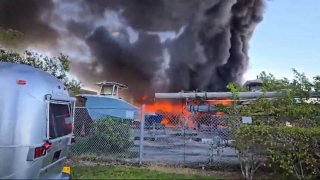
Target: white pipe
x: 220, y: 95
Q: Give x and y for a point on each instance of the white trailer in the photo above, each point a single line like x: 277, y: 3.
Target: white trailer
x: 36, y: 123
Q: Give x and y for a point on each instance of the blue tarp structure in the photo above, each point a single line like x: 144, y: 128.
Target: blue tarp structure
x: 104, y: 106
x: 153, y: 119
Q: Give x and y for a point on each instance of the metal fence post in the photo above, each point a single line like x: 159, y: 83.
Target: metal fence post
x: 142, y: 134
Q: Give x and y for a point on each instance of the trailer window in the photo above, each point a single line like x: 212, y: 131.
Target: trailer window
x: 60, y: 121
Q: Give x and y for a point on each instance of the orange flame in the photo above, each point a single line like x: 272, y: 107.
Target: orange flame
x: 172, y: 110
x: 220, y: 102
x: 164, y: 106
x: 165, y: 122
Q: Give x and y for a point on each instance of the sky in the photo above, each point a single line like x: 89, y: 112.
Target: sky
x: 287, y: 38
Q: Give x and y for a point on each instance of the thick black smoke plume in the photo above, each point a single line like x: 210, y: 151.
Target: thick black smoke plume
x: 26, y: 16
x: 158, y: 45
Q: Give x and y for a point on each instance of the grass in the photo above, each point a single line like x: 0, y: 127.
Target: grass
x: 120, y: 172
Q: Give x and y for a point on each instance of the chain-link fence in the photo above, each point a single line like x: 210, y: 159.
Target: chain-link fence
x: 167, y: 138
x: 193, y: 139
x: 100, y: 136
x: 180, y: 138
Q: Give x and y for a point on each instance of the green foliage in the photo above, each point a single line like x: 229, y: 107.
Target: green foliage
x: 56, y: 66
x: 295, y: 104
x: 106, y: 136
x: 9, y: 36
x: 235, y: 88
x: 252, y: 150
x: 111, y: 135
x: 270, y: 83
x: 294, y: 150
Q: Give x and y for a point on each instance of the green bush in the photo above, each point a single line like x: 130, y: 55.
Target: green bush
x: 106, y: 136
x: 294, y: 150
x: 80, y: 146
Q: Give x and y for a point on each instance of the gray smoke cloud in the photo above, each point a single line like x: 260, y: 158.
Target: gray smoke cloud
x: 159, y: 45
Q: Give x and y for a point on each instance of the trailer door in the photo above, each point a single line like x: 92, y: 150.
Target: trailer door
x: 60, y: 126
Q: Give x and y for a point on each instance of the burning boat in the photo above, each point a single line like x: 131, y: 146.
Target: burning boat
x: 108, y: 103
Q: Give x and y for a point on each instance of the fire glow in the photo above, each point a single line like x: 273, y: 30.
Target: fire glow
x: 173, y: 111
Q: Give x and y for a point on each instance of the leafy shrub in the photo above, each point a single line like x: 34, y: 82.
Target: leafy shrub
x: 81, y: 146
x: 106, y: 136
x: 294, y: 150
x: 252, y: 149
